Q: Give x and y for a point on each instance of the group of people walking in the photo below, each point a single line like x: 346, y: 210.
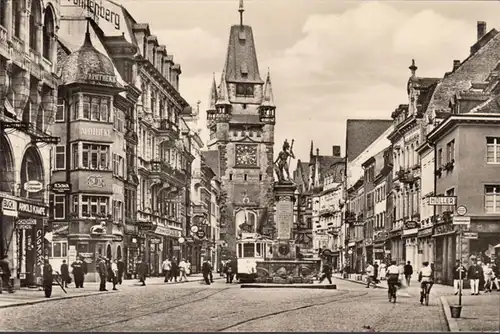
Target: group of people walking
x: 479, y: 274
x: 173, y: 270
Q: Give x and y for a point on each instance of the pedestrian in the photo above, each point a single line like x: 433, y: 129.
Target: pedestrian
x: 496, y: 275
x: 488, y: 277
x: 183, y: 269
x: 38, y: 275
x: 65, y: 278
x: 375, y: 273
x: 408, y: 271
x: 78, y: 273
x: 370, y: 271
x: 121, y: 270
x: 166, y: 266
x: 474, y: 273
x: 114, y: 271
x: 188, y: 268
x: 142, y: 270
x: 211, y: 274
x: 102, y: 270
x: 459, y: 274
x: 327, y: 273
x: 174, y: 269
x: 205, y: 269
x: 5, y: 272
x: 233, y: 263
x: 382, y: 271
x: 48, y: 278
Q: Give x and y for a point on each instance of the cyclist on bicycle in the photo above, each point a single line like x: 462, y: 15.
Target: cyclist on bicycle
x: 425, y: 278
x: 392, y: 276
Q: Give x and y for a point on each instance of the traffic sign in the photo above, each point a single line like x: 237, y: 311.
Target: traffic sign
x: 470, y: 235
x: 461, y: 220
x: 461, y: 210
x: 442, y: 200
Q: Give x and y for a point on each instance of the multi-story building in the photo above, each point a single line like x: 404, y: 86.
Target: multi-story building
x: 406, y: 137
x: 303, y: 210
x: 364, y: 138
x: 241, y: 119
x: 458, y: 92
x: 28, y: 96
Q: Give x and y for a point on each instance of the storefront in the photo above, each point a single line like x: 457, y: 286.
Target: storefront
x: 410, y: 232
x: 170, y: 245
x: 24, y: 233
x: 360, y: 260
x: 379, y: 243
x: 351, y: 257
x: 488, y: 232
x: 425, y: 245
x: 446, y: 245
x: 397, y: 247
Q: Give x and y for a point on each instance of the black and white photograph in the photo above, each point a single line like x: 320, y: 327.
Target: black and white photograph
x: 249, y: 166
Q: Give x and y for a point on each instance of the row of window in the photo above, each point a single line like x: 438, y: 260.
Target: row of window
x: 88, y: 206
x: 406, y: 157
x: 89, y: 156
x: 380, y: 194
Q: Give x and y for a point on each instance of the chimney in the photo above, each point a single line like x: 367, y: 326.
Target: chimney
x: 336, y: 151
x: 317, y: 151
x: 456, y: 64
x: 481, y: 29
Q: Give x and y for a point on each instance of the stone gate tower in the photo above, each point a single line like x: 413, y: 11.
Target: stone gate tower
x: 241, y: 119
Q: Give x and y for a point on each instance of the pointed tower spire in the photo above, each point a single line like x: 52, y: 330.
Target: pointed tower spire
x: 223, y: 96
x: 311, y: 152
x: 268, y: 100
x: 87, y: 41
x: 241, y: 9
x: 213, y: 94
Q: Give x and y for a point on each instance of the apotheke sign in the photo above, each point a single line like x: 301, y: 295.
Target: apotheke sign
x: 95, y: 132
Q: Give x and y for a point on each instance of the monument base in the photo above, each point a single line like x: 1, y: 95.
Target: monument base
x: 282, y: 271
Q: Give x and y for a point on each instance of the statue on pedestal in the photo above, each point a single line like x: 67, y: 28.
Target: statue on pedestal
x: 281, y: 165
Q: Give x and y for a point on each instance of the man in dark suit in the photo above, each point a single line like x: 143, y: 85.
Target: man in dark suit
x: 48, y: 277
x: 206, y: 269
x: 121, y: 270
x: 102, y: 269
x: 65, y: 278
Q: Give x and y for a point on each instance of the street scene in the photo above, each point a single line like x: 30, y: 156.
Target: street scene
x: 249, y: 166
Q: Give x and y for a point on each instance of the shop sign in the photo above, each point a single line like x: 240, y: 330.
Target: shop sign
x: 168, y: 232
x: 178, y: 248
x: 145, y: 226
x: 470, y: 235
x: 442, y: 200
x: 381, y: 235
x: 95, y: 132
x: 189, y: 240
x: 461, y: 220
x: 39, y: 247
x: 425, y: 232
x: 410, y: 225
x: 25, y: 224
x: 200, y: 234
x: 95, y: 181
x: 395, y: 233
x: 443, y: 229
x: 33, y: 186
x: 358, y: 223
x: 378, y: 250
x: 32, y: 209
x: 61, y: 187
x: 155, y: 240
x: 130, y: 229
x: 9, y: 207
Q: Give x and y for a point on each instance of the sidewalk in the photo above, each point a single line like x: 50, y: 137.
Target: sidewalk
x: 479, y: 313
x: 28, y: 296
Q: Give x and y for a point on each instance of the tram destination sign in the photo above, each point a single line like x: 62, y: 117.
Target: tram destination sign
x: 442, y: 200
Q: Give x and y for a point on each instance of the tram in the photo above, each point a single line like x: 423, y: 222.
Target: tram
x: 249, y: 249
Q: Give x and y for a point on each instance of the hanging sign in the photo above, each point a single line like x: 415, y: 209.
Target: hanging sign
x: 61, y: 187
x: 33, y: 186
x: 200, y: 234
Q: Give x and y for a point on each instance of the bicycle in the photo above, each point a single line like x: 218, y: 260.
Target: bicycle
x: 425, y: 297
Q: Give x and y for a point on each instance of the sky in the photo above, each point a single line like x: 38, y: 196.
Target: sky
x: 330, y: 60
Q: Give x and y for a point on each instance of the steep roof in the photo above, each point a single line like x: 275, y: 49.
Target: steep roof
x: 268, y: 97
x: 213, y: 94
x: 241, y: 59
x: 212, y: 161
x: 326, y: 165
x: 360, y: 133
x: 476, y: 68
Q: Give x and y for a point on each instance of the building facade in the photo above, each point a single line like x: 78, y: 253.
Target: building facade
x: 28, y: 96
x: 241, y: 119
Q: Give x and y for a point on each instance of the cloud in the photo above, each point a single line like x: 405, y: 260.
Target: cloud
x: 355, y: 65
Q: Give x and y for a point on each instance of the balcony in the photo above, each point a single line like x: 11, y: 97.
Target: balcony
x: 165, y: 128
x: 405, y: 176
x: 165, y: 172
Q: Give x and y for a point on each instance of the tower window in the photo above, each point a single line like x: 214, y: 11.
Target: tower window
x: 260, y: 177
x: 245, y: 177
x: 244, y: 90
x: 230, y: 177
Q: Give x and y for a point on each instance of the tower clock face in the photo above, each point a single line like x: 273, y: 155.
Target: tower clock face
x: 246, y: 155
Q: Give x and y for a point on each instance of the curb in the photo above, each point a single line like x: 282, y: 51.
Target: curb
x: 290, y: 286
x: 55, y: 299
x: 451, y: 322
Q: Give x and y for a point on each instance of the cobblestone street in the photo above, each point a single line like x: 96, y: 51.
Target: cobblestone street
x: 222, y: 307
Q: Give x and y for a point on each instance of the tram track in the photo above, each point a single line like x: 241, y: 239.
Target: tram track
x: 127, y: 317
x: 338, y: 298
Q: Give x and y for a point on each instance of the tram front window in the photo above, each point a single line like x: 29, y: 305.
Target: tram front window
x: 248, y: 250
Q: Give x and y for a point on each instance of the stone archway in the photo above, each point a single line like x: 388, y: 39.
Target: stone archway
x: 7, y: 179
x: 109, y: 253
x: 31, y: 170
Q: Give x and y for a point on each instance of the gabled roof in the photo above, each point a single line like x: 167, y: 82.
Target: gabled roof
x: 241, y: 59
x: 212, y: 161
x: 360, y: 133
x: 476, y: 68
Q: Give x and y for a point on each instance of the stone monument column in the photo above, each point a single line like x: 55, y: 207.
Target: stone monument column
x: 284, y: 246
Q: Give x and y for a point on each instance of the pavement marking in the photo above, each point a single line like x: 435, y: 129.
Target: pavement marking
x: 452, y: 322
